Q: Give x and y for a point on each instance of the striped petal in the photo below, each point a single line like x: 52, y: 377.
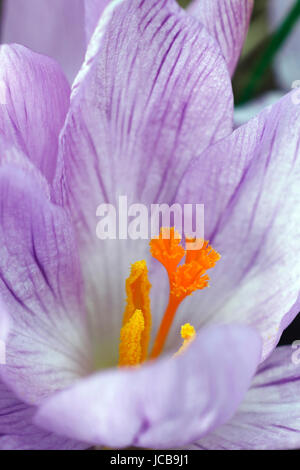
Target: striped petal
x: 40, y: 286
x: 249, y: 186
x: 17, y: 431
x: 269, y: 416
x: 160, y: 405
x: 34, y: 99
x: 154, y: 91
x: 227, y: 21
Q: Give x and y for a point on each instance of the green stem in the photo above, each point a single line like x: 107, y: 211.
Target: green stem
x: 276, y: 41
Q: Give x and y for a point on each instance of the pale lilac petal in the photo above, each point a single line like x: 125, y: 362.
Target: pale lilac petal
x: 17, y: 431
x: 249, y: 184
x: 287, y: 59
x: 227, y: 21
x: 117, y: 134
x: 40, y: 287
x: 269, y: 416
x: 34, y: 99
x: 163, y: 404
x: 93, y: 11
x: 154, y: 91
x: 51, y: 27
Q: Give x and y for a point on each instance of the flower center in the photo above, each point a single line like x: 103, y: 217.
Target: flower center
x: 184, y: 279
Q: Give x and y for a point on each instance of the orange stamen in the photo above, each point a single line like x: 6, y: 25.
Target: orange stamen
x: 184, y: 279
x: 167, y: 249
x: 165, y: 326
x: 205, y: 255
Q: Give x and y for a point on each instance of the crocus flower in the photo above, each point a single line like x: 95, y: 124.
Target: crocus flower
x: 150, y: 116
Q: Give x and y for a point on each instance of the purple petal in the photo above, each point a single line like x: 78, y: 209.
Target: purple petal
x: 34, y: 99
x: 51, y: 27
x: 268, y: 418
x: 115, y: 126
x: 153, y: 92
x: 40, y: 285
x: 163, y: 404
x: 227, y: 21
x: 17, y: 431
x: 249, y: 186
x: 93, y: 11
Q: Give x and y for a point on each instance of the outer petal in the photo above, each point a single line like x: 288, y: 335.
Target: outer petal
x: 154, y: 90
x: 163, y: 404
x: 269, y: 417
x: 40, y: 286
x: 287, y: 60
x: 34, y: 99
x: 249, y: 186
x: 227, y: 21
x: 93, y: 11
x: 51, y: 27
x: 122, y: 139
x: 17, y: 431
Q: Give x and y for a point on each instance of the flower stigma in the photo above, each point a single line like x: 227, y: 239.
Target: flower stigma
x: 184, y: 279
